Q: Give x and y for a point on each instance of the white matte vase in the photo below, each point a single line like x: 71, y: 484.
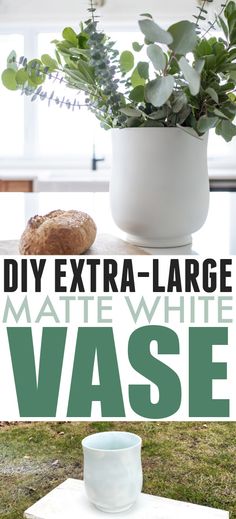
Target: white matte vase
x: 112, y: 470
x: 159, y: 187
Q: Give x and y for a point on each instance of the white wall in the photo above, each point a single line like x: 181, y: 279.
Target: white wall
x: 115, y: 11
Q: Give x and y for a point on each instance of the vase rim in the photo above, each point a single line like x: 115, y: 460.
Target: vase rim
x: 155, y: 129
x: 89, y: 442
x: 170, y: 128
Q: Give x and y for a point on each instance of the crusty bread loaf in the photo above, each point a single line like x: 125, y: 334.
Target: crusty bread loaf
x: 59, y: 232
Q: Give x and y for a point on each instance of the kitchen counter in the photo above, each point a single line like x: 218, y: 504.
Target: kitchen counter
x: 83, y: 180
x: 216, y: 238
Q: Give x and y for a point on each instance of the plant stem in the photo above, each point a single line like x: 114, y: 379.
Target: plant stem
x: 200, y: 12
x: 214, y: 23
x: 92, y: 10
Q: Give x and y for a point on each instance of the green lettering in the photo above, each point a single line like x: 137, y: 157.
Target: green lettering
x: 37, y: 396
x: 202, y: 372
x: 153, y: 369
x: 92, y: 342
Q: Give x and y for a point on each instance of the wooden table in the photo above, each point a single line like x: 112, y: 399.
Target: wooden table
x: 69, y: 501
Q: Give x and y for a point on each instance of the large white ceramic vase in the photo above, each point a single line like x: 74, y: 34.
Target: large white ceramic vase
x: 159, y: 186
x: 112, y: 470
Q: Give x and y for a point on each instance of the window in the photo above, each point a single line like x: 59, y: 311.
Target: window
x: 33, y: 135
x: 11, y: 106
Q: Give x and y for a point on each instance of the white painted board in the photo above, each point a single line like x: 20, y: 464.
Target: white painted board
x: 69, y: 500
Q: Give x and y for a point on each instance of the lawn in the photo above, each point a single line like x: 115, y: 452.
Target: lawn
x: 193, y: 462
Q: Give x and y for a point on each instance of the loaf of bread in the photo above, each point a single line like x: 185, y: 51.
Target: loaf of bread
x: 59, y: 232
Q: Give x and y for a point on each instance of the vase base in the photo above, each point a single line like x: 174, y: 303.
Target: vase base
x: 162, y: 243
x: 120, y: 511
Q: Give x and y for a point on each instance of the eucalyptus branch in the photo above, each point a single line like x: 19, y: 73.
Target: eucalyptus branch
x: 201, y: 11
x: 184, y: 87
x: 213, y: 24
x: 92, y: 10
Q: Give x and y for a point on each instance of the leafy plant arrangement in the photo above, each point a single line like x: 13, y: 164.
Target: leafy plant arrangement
x: 187, y: 79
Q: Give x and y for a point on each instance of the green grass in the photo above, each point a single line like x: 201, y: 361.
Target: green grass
x: 193, y: 462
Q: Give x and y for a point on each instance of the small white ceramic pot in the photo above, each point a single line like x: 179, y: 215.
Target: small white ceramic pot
x: 159, y: 186
x: 112, y: 470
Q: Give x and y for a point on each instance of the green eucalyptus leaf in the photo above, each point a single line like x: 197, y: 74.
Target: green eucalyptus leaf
x: 136, y: 79
x: 11, y: 60
x: 126, y: 61
x: 86, y: 71
x: 199, y: 65
x: 223, y: 26
x: 179, y: 102
x: 35, y: 72
x: 70, y: 36
x: 154, y: 33
x: 21, y: 76
x: 143, y: 69
x: 9, y: 79
x: 159, y: 114
x: 158, y: 91
x: 137, y: 94
x: 192, y: 77
x: 131, y: 112
x: 157, y: 56
x: 73, y: 51
x: 183, y: 114
x: 210, y: 62
x: 213, y: 94
x: 153, y: 124
x: 137, y: 47
x: 49, y: 62
x: 203, y: 49
x: 230, y: 9
x: 184, y: 37
x: 220, y: 114
x: 205, y: 123
x: 133, y: 122
x: 58, y: 57
x: 226, y: 129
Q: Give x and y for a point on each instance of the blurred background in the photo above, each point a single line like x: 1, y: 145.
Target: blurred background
x: 50, y: 145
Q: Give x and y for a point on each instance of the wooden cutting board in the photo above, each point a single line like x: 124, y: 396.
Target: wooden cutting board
x: 104, y: 244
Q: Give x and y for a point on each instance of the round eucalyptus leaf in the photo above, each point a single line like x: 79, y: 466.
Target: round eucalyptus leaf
x: 70, y: 36
x: 157, y: 56
x: 143, y: 69
x: 184, y: 37
x: 21, y: 76
x: 227, y: 129
x: 179, y: 102
x: 205, y: 123
x: 158, y: 91
x: 49, y: 62
x: 137, y: 94
x: 9, y: 79
x: 136, y: 79
x: 126, y: 61
x: 154, y: 33
x: 137, y: 47
x: 34, y: 69
x: 192, y: 77
x: 131, y: 112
